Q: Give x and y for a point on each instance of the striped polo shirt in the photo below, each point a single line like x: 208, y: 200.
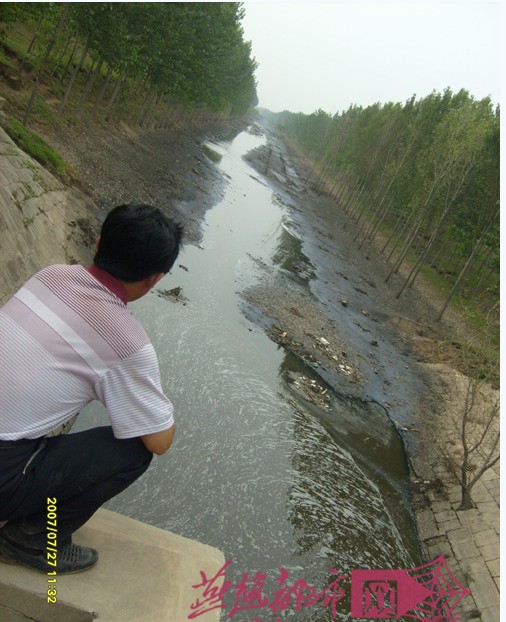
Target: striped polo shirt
x: 67, y: 337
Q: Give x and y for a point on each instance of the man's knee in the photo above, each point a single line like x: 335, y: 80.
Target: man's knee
x: 136, y: 451
x: 100, y: 446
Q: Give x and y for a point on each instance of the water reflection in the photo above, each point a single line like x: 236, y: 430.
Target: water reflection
x: 289, y: 256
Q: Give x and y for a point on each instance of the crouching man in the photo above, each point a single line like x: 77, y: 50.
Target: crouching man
x: 67, y: 337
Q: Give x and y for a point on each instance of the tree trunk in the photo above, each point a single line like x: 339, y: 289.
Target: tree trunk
x: 77, y: 69
x: 95, y: 72
x: 60, y: 58
x: 393, y: 232
x: 407, y: 245
x: 71, y: 58
x: 341, y: 192
x: 35, y: 35
x: 32, y: 43
x: 315, y: 162
x: 466, y: 502
x: 139, y: 111
x: 42, y: 67
x: 147, y: 108
x: 124, y: 101
x: 421, y: 259
x: 464, y: 270
x: 114, y: 94
x: 447, y: 260
x: 405, y: 227
x: 100, y: 97
x: 354, y: 200
x: 480, y: 273
x: 373, y: 231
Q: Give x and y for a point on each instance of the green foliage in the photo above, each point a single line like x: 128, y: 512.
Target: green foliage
x: 193, y: 52
x: 5, y: 61
x: 34, y: 145
x: 428, y: 171
x: 211, y: 154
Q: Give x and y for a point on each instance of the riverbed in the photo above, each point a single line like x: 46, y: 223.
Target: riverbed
x: 281, y: 460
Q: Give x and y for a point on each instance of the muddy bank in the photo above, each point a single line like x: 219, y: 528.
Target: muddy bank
x: 348, y: 327
x: 164, y: 167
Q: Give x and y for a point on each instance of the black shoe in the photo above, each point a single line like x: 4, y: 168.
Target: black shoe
x: 71, y: 558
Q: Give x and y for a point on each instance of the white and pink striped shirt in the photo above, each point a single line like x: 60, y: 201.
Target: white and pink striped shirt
x: 67, y: 338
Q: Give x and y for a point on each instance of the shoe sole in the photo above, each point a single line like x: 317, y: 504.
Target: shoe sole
x: 18, y: 562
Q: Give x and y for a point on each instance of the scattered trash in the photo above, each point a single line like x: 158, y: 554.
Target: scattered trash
x: 310, y: 390
x: 174, y: 294
x: 183, y: 267
x: 344, y: 303
x: 319, y: 352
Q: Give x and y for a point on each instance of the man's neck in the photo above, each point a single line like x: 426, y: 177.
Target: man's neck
x: 113, y: 284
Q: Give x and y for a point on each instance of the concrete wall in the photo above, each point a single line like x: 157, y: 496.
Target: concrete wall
x: 144, y: 574
x: 41, y: 222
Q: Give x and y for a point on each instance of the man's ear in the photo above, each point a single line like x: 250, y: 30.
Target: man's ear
x: 152, y: 280
x: 97, y: 243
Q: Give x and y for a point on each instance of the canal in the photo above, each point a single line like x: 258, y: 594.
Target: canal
x: 256, y: 470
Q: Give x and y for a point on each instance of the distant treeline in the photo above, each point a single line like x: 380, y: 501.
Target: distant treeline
x: 423, y: 177
x: 129, y: 59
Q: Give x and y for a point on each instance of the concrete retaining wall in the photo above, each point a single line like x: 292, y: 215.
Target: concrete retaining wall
x: 41, y: 222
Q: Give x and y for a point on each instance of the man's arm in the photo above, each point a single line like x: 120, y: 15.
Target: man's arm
x: 159, y: 442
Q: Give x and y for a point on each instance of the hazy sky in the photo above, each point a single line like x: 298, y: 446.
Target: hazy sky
x: 332, y: 54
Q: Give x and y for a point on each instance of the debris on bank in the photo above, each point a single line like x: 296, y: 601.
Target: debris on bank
x: 321, y: 348
x: 174, y: 295
x: 310, y: 390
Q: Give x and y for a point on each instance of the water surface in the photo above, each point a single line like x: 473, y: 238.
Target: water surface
x: 257, y: 471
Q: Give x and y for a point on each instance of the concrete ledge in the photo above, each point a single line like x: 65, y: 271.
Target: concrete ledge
x: 143, y: 574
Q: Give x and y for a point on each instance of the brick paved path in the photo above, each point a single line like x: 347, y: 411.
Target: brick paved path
x: 469, y: 540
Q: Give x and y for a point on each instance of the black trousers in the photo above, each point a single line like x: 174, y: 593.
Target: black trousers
x: 81, y: 471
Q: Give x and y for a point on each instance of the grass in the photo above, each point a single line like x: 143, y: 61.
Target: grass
x: 33, y: 144
x: 5, y: 61
x: 211, y: 154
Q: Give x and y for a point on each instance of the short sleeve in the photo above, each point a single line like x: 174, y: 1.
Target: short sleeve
x: 132, y: 394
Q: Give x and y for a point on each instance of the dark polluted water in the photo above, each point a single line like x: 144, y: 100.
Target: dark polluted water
x: 256, y: 470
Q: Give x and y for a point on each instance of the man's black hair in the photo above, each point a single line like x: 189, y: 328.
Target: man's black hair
x: 137, y: 241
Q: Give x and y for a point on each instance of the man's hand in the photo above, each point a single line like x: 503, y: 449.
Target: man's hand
x: 159, y: 442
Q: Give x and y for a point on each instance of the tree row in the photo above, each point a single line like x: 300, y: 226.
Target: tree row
x: 127, y: 59
x: 424, y: 178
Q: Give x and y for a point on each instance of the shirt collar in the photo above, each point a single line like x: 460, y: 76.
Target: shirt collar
x: 109, y: 281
